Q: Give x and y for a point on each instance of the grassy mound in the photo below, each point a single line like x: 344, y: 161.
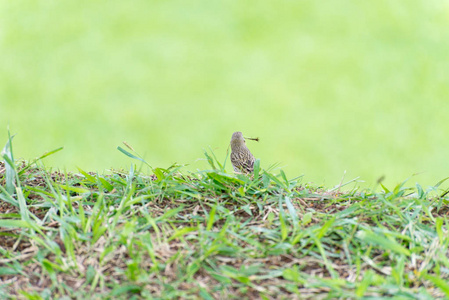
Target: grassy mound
x: 213, y: 235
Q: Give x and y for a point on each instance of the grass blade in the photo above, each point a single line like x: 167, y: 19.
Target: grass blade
x: 442, y: 284
x: 133, y: 156
x: 28, y: 166
x: 374, y: 238
x: 10, y: 172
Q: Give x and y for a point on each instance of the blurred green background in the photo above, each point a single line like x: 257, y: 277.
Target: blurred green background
x: 328, y: 86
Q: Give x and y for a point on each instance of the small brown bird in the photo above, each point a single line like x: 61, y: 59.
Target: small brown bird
x: 241, y: 158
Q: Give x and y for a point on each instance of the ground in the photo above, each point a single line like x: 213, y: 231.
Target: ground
x: 213, y: 235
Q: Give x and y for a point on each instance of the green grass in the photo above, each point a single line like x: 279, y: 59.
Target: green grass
x: 168, y: 233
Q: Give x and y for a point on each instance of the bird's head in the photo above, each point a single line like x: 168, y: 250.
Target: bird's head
x: 237, y: 139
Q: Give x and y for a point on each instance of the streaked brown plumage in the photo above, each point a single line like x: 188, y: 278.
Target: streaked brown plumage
x: 241, y: 158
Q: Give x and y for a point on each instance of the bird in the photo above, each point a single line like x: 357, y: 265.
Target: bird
x: 241, y: 158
